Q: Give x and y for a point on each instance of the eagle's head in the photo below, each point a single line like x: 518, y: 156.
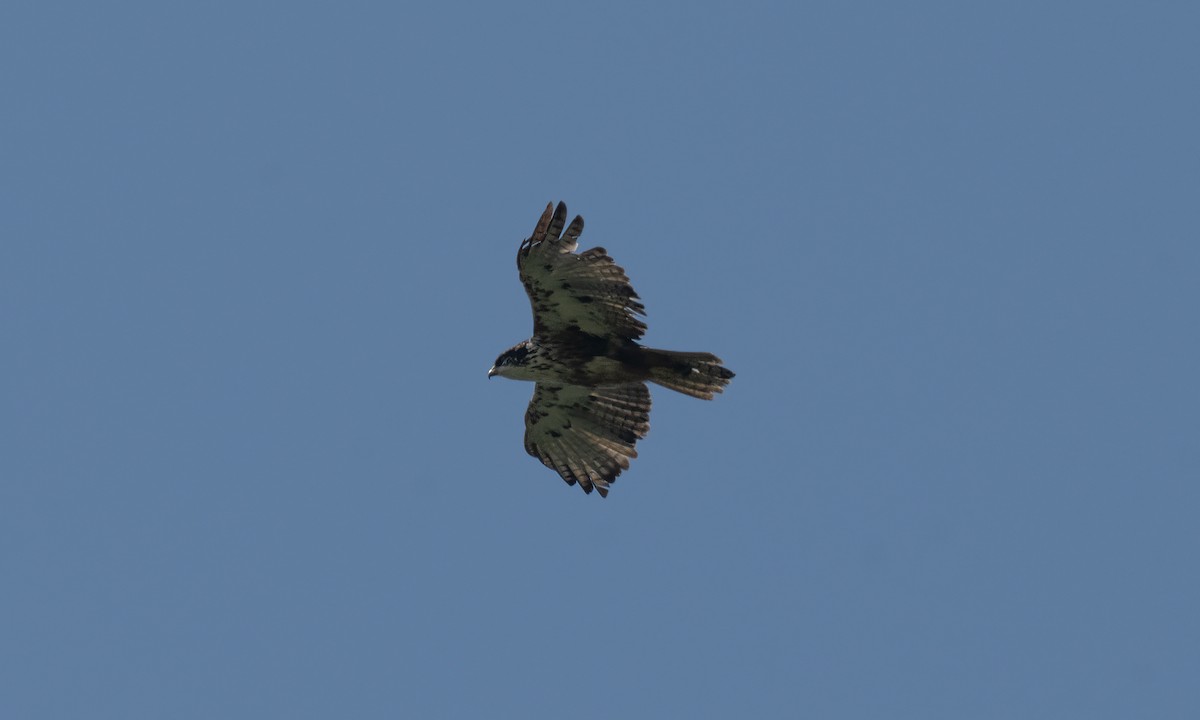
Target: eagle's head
x: 514, y: 362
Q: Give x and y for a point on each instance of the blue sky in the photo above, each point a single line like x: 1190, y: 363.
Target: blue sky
x: 256, y: 258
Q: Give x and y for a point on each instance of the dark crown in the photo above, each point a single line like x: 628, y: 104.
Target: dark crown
x: 516, y: 355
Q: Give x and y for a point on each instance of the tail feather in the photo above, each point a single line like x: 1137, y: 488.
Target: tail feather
x: 698, y: 374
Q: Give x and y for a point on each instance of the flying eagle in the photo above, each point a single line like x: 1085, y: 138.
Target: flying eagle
x: 590, y: 405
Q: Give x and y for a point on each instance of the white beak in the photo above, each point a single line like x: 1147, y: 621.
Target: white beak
x: 492, y: 372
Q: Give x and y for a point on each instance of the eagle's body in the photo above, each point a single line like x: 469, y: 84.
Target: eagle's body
x: 590, y: 405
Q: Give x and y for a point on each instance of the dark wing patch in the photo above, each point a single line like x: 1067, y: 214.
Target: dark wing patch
x: 587, y: 435
x: 587, y: 291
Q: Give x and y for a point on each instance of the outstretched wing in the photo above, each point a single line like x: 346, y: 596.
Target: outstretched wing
x: 585, y: 434
x: 587, y: 291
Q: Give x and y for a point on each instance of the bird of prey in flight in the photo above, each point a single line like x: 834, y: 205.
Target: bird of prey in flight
x: 590, y: 405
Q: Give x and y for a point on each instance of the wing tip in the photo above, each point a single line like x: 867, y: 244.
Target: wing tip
x: 550, y: 224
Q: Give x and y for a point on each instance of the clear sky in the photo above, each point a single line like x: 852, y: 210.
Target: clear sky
x: 256, y: 259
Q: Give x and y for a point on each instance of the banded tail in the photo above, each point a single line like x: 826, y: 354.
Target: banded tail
x: 698, y: 374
